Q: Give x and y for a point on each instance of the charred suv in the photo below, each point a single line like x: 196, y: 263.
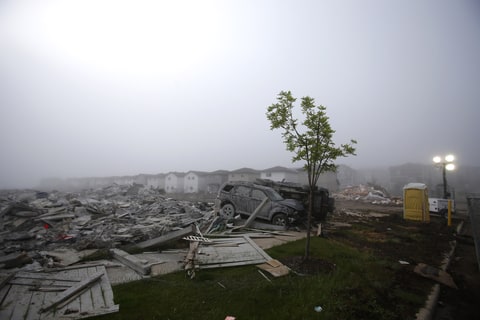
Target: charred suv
x: 243, y: 198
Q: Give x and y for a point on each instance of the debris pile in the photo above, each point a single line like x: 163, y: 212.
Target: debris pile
x: 32, y: 223
x: 371, y: 194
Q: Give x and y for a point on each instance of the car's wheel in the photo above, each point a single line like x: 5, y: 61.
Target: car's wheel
x: 279, y: 219
x: 227, y: 211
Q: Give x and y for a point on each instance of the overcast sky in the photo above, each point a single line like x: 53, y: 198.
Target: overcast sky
x: 101, y: 88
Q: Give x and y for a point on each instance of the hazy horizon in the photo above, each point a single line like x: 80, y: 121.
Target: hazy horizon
x: 117, y: 88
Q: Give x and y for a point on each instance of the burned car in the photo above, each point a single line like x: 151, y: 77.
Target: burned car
x: 243, y: 198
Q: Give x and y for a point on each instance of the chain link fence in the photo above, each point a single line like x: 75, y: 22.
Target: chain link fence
x: 473, y: 201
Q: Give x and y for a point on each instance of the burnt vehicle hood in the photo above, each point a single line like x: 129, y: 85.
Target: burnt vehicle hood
x: 292, y: 203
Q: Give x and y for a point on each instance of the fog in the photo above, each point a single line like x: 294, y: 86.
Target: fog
x: 103, y: 88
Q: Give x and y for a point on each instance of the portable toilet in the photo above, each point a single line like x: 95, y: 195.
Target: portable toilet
x: 415, y: 202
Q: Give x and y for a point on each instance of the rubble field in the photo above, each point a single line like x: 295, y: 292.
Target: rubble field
x: 45, y: 231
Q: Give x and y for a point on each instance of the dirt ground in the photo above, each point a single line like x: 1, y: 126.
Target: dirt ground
x: 382, y: 230
x: 461, y: 303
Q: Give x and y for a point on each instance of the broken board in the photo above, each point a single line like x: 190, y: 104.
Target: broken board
x: 73, y: 293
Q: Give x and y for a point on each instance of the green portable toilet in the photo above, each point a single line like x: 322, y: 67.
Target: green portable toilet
x: 415, y: 202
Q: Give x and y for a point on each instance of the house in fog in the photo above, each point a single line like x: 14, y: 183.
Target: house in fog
x: 124, y: 180
x: 280, y: 174
x: 174, y: 182
x: 326, y: 180
x: 244, y: 174
x: 348, y: 177
x: 155, y: 181
x: 215, y: 179
x: 195, y: 181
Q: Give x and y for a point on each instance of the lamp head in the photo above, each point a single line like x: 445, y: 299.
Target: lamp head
x: 450, y: 166
x: 449, y: 158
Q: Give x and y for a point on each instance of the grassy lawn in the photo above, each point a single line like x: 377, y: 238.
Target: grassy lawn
x: 362, y: 286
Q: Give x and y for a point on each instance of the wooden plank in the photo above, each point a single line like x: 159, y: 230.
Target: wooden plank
x: 131, y: 261
x: 244, y: 252
x: 37, y: 283
x: 96, y: 290
x: 174, y: 235
x: 36, y: 303
x: 3, y: 292
x: 86, y: 303
x: 6, y: 280
x: 73, y: 290
x: 48, y: 298
x: 22, y: 303
x: 8, y: 304
x: 275, y: 268
x: 257, y: 248
x: 46, y: 276
x: 230, y: 264
x: 107, y: 291
x: 74, y: 303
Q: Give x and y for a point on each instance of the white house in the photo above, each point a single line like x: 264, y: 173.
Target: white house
x: 156, y: 181
x: 326, y: 180
x: 125, y: 180
x: 194, y: 181
x: 215, y: 179
x: 244, y: 174
x: 280, y: 174
x: 174, y: 182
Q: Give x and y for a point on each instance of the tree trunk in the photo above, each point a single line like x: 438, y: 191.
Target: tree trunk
x: 309, y: 224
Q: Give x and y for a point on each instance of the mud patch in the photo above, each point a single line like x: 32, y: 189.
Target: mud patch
x: 311, y: 266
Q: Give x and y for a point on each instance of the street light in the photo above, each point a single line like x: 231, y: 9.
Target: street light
x: 445, y: 163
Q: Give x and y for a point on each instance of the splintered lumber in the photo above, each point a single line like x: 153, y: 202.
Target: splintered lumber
x: 73, y: 290
x: 131, y: 261
x: 275, y: 268
x: 174, y: 235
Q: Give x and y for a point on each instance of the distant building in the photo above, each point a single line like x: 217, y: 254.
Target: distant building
x: 156, y: 181
x: 174, y: 182
x: 326, y: 180
x: 348, y: 177
x: 194, y: 181
x: 215, y: 179
x: 280, y: 174
x: 244, y: 174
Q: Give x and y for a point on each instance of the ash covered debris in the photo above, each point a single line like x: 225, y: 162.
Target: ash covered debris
x: 35, y: 224
x: 367, y: 193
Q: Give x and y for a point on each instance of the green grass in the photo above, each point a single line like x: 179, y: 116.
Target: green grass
x: 361, y: 287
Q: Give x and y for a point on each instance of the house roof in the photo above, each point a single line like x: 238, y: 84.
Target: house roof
x: 198, y: 173
x: 220, y: 172
x: 245, y: 170
x: 178, y: 174
x: 280, y: 169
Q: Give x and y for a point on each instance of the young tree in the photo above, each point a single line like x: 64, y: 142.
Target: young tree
x: 310, y: 141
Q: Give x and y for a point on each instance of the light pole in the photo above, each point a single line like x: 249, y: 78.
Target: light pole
x: 445, y: 163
